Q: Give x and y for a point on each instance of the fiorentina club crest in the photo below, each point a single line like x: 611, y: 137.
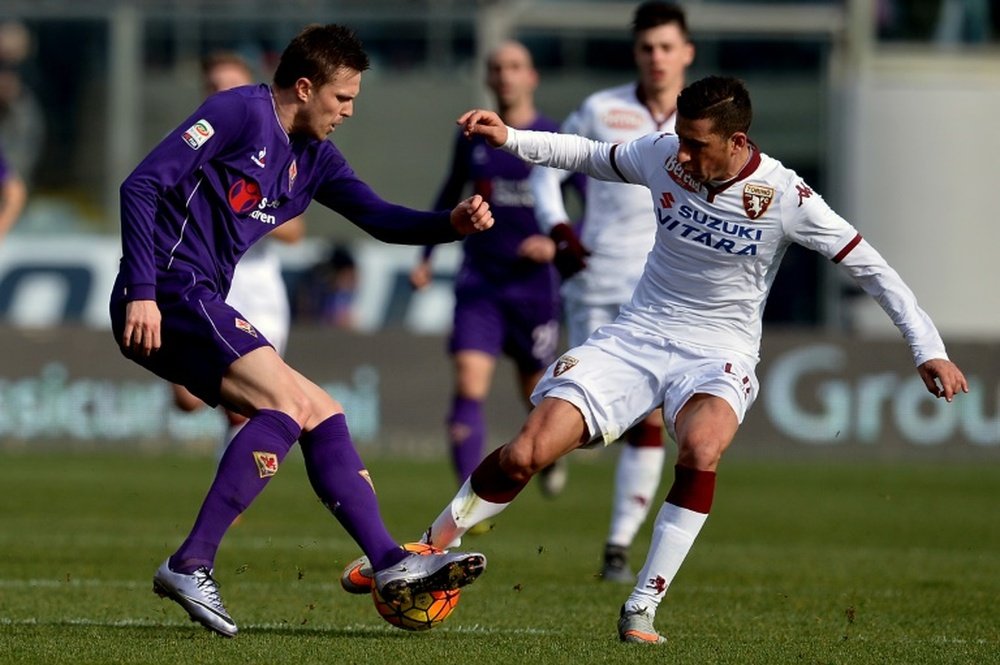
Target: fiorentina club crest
x: 564, y: 364
x: 756, y: 199
x: 293, y: 173
x: 246, y: 327
x: 267, y: 463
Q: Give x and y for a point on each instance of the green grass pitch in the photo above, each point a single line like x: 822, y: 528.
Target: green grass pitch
x: 799, y: 563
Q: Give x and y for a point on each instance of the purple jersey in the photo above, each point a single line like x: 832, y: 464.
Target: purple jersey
x: 503, y: 302
x: 502, y: 180
x: 225, y: 178
x: 4, y: 169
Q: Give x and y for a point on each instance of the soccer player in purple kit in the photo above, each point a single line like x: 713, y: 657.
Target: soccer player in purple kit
x: 506, y: 291
x: 246, y: 161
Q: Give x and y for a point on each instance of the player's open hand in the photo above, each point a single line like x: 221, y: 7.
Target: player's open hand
x: 943, y: 378
x: 142, y: 327
x: 484, y: 123
x: 472, y: 215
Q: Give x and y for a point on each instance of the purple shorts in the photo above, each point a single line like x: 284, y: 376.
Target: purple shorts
x: 518, y: 319
x: 201, y: 336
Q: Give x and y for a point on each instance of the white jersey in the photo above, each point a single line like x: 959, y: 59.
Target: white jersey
x: 617, y: 223
x: 258, y: 293
x: 718, y: 249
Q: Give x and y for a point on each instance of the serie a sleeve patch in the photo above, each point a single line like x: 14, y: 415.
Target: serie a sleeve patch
x: 198, y: 134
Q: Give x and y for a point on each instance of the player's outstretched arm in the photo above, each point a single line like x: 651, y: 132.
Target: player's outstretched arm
x: 484, y: 123
x: 943, y: 378
x: 472, y: 215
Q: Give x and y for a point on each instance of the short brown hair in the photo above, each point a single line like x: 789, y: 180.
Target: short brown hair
x: 722, y: 99
x: 317, y: 53
x: 655, y: 13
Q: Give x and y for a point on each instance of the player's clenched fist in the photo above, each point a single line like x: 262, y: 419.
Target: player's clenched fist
x: 472, y: 215
x: 484, y: 123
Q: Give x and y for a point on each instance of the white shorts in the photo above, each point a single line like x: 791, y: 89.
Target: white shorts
x: 583, y: 319
x: 620, y: 375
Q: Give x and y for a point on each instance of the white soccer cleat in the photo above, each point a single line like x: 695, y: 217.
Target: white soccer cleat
x: 636, y: 626
x: 418, y: 573
x: 198, y: 594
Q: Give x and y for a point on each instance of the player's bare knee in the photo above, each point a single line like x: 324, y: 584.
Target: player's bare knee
x: 297, y: 406
x: 702, y: 453
x: 519, y: 459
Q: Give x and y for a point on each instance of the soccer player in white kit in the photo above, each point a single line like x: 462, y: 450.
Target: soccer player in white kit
x: 688, y: 341
x: 617, y: 233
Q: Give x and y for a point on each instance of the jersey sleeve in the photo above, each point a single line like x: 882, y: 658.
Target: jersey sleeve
x: 546, y: 190
x: 458, y: 175
x: 815, y: 225
x: 215, y: 126
x: 342, y: 191
x: 570, y: 152
x: 547, y: 183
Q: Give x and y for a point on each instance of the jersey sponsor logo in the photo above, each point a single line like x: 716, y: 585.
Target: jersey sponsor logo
x: 713, y: 232
x: 509, y: 193
x: 260, y: 159
x: 804, y: 192
x: 757, y: 199
x: 293, y: 173
x: 265, y: 217
x: 198, y: 133
x: 667, y: 200
x: 678, y: 175
x: 564, y: 364
x: 244, y: 196
x: 245, y: 327
x: 267, y: 463
x: 624, y: 119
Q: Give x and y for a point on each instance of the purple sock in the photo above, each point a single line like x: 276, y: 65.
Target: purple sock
x: 467, y: 435
x: 342, y: 483
x: 253, y: 456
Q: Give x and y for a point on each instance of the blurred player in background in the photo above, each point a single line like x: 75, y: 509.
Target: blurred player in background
x: 506, y: 291
x: 258, y: 289
x: 22, y: 120
x: 247, y: 160
x: 13, y: 196
x: 616, y: 235
x: 689, y: 339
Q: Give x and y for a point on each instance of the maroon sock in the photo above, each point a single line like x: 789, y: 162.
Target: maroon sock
x: 644, y: 435
x: 692, y: 489
x: 489, y: 481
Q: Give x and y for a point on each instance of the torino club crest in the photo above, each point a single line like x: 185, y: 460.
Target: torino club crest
x: 757, y: 199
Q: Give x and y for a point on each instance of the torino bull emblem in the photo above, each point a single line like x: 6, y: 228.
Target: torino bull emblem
x: 757, y: 199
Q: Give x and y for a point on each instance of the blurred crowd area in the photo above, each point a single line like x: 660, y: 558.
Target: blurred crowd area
x: 61, y: 65
x: 87, y: 88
